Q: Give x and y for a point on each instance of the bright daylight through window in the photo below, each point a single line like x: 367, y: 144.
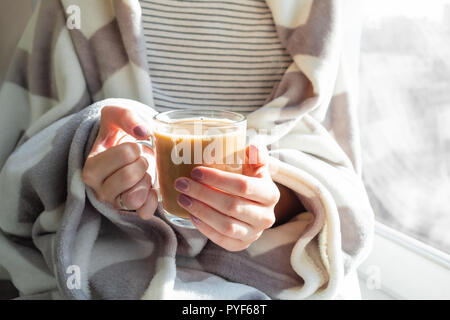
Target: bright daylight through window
x: 404, y: 110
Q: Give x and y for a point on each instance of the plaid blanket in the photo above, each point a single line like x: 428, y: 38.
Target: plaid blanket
x: 58, y: 241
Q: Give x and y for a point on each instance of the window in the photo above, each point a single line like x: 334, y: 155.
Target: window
x: 404, y: 111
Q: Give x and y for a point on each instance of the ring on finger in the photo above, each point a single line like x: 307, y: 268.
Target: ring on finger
x: 122, y: 206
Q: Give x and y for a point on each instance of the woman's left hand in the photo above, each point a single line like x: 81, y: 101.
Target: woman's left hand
x: 231, y: 209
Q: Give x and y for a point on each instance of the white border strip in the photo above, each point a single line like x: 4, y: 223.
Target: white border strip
x: 412, y: 244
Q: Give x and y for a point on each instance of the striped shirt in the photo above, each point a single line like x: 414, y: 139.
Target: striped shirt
x: 212, y: 54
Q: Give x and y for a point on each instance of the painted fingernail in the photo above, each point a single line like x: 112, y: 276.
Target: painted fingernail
x: 197, y: 174
x: 140, y: 131
x: 253, y: 153
x: 181, y: 185
x: 195, y: 219
x: 184, y: 200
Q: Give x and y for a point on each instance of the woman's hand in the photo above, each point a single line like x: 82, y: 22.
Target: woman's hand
x: 231, y: 209
x: 116, y: 167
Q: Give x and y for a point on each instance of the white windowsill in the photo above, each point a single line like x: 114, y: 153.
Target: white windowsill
x: 400, y: 267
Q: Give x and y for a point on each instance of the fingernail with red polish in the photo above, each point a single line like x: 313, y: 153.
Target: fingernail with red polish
x: 253, y: 154
x: 185, y: 201
x: 195, y: 219
x: 197, y: 174
x: 140, y: 131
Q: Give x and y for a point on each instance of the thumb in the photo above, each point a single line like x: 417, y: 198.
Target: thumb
x: 257, y: 160
x: 122, y: 118
x: 115, y: 122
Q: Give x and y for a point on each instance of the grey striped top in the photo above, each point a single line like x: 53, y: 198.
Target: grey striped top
x: 212, y: 54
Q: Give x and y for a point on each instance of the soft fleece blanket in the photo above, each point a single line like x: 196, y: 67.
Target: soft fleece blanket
x: 58, y: 241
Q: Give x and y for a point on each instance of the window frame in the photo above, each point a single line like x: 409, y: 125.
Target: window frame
x: 406, y: 268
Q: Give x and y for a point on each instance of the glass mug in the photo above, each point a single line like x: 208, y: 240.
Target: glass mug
x: 185, y: 139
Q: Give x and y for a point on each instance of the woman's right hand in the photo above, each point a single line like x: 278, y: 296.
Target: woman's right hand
x: 115, y: 167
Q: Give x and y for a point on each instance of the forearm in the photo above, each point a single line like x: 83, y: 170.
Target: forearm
x: 288, y: 206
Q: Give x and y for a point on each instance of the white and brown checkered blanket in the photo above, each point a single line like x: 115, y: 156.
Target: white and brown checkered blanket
x: 58, y: 241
